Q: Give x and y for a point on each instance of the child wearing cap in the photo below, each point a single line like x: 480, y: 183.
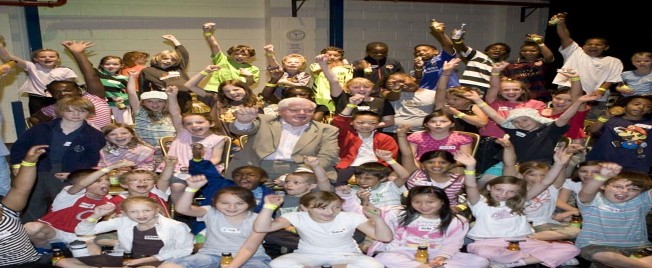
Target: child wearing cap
x: 150, y: 113
x: 534, y: 137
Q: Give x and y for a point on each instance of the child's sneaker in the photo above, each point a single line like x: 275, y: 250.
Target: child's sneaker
x: 571, y: 262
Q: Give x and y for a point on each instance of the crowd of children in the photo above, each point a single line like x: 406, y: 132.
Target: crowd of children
x: 408, y: 179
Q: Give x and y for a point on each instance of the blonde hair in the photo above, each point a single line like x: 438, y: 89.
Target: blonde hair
x: 319, y: 199
x: 358, y: 81
x: 74, y: 103
x: 297, y: 56
x: 139, y: 199
x: 156, y: 60
x: 124, y: 177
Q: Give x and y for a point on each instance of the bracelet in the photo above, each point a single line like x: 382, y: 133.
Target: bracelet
x: 15, y: 166
x: 602, y: 89
x: 27, y: 164
x: 91, y: 220
x: 541, y: 44
x: 418, y: 70
x: 395, y: 90
x: 190, y: 190
x: 270, y: 85
x: 495, y: 74
x: 368, y: 70
x: 391, y: 162
x: 269, y: 54
x: 105, y: 170
x: 458, y: 42
x: 483, y: 104
x: 469, y: 172
x: 203, y: 73
x: 351, y: 105
x: 460, y: 115
x: 575, y: 79
x: 603, y: 119
x: 270, y: 206
x: 598, y: 177
x: 208, y: 34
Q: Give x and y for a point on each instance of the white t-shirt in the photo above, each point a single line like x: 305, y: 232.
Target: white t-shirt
x: 497, y: 222
x: 386, y: 194
x: 39, y: 78
x: 574, y: 186
x: 539, y: 209
x: 411, y: 108
x: 335, y: 237
x: 222, y: 236
x: 593, y: 70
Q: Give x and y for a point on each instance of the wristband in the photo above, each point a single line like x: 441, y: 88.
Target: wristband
x: 418, y: 70
x: 458, y: 42
x: 105, y: 170
x: 270, y: 85
x: 598, y: 177
x: 602, y: 89
x: 575, y: 79
x: 368, y: 70
x: 541, y: 44
x: 460, y: 115
x: 203, y: 73
x: 603, y: 119
x: 469, y: 172
x: 270, y: 206
x: 27, y: 164
x: 190, y: 190
x: 391, y: 162
x: 495, y: 74
x: 483, y: 104
x: 351, y: 105
x: 269, y: 54
x: 208, y: 34
x: 91, y: 220
x: 15, y: 166
x: 395, y: 90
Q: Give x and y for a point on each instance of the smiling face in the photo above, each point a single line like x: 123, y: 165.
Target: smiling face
x: 425, y: 52
x: 333, y: 56
x: 638, y: 107
x: 525, y: 123
x: 297, y: 113
x: 511, y: 90
x: 197, y: 125
x: 234, y: 93
x: 530, y: 53
x: 248, y: 178
x: 47, y: 59
x: 363, y: 88
x: 620, y: 191
x: 139, y: 184
x: 231, y: 205
x: 112, y: 65
x: 293, y: 64
x: 297, y: 185
x: 240, y: 56
x: 496, y: 52
x: 367, y: 180
x: 594, y: 47
x: 503, y: 191
x: 436, y: 166
x: 154, y: 105
x: 142, y: 213
x: 535, y: 175
x: 166, y: 62
x: 365, y: 124
x: 324, y: 214
x: 427, y: 205
x: 561, y: 102
x: 120, y: 137
x: 63, y: 89
x: 401, y: 82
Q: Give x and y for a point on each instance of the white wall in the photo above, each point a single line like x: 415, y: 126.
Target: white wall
x: 117, y: 26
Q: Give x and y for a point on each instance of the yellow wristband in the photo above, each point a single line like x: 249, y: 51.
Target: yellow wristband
x: 483, y: 104
x: 203, y: 73
x: 603, y: 119
x: 27, y: 164
x: 598, y: 177
x: 269, y: 54
x: 469, y: 172
x: 602, y: 89
x: 105, y: 170
x: 270, y: 85
x: 15, y: 166
x: 418, y: 70
x: 92, y: 220
x: 460, y: 115
x: 351, y: 105
x: 495, y: 74
x: 541, y: 44
x: 270, y: 206
x: 368, y: 70
x: 208, y: 34
x: 575, y: 79
x: 458, y: 42
x: 391, y: 162
x: 190, y: 190
x: 395, y: 91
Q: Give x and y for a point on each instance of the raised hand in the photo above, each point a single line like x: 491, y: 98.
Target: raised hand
x: 196, y: 181
x: 273, y: 199
x: 321, y: 58
x: 465, y: 159
x: 212, y: 68
x: 311, y: 160
x: 403, y: 129
x: 246, y: 115
x: 499, y: 66
x: 418, y: 62
x: 246, y: 73
x: 610, y: 169
x: 172, y: 91
x: 437, y: 26
x: 169, y: 37
x: 364, y: 195
x: 385, y: 155
x: 77, y: 47
x: 170, y: 160
x: 133, y: 74
x: 450, y: 65
x: 34, y: 153
x: 105, y: 209
x: 208, y: 27
x: 269, y: 48
x: 123, y: 163
x: 473, y: 96
x: 343, y: 189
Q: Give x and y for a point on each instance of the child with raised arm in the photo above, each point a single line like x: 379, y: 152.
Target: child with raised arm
x: 500, y: 218
x: 326, y: 232
x: 638, y: 81
x: 43, y: 68
x: 292, y: 67
x: 234, y: 65
x: 229, y: 228
x: 534, y: 61
x: 89, y: 188
x: 15, y: 246
x: 598, y: 72
x: 342, y: 71
x: 134, y: 61
x: 356, y: 94
x: 376, y: 66
x: 123, y: 144
x: 428, y: 62
x: 426, y: 219
x: 168, y: 68
x: 115, y: 85
x: 614, y: 205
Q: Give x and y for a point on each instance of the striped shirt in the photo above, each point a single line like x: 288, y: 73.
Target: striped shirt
x: 614, y: 224
x: 15, y: 247
x: 152, y: 132
x: 451, y: 187
x: 478, y: 69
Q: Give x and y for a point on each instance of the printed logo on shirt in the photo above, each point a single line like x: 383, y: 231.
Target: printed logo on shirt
x: 427, y: 226
x: 86, y: 205
x: 152, y: 237
x: 503, y: 108
x: 364, y: 108
x: 503, y: 214
x: 78, y: 148
x: 338, y: 231
x: 447, y: 147
x: 113, y: 81
x: 606, y: 207
x: 520, y: 134
x: 229, y: 230
x: 389, y: 66
x: 66, y: 144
